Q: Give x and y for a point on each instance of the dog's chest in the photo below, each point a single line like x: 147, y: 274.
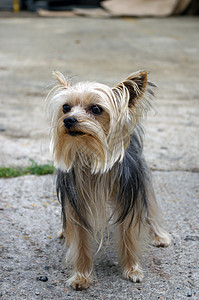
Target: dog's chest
x: 96, y: 188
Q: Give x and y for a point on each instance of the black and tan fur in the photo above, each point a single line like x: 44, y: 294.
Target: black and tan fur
x: 102, y: 175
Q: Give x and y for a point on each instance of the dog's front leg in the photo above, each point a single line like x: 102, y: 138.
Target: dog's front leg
x: 79, y: 255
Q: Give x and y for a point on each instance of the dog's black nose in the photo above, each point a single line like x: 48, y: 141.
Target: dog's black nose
x: 69, y: 122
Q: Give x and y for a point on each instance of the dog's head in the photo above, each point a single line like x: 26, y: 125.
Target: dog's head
x: 91, y: 122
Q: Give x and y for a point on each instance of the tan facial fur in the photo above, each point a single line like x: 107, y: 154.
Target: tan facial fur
x: 107, y: 135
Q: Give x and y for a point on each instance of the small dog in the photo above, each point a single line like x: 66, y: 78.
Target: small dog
x: 102, y: 175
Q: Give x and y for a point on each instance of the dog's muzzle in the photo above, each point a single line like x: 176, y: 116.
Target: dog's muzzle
x: 70, y: 122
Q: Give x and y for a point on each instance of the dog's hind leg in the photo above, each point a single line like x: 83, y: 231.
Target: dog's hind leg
x: 128, y: 249
x: 160, y: 237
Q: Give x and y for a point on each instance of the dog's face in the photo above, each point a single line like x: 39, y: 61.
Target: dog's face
x: 91, y: 123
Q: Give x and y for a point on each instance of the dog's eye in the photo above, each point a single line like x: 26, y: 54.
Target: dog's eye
x: 96, y: 109
x: 66, y: 108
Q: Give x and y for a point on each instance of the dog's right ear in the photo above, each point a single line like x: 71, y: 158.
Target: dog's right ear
x: 136, y: 86
x: 61, y: 79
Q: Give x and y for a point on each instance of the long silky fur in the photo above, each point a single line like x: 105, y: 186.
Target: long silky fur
x: 125, y: 169
x: 130, y: 176
x: 67, y: 192
x: 133, y: 180
x: 102, y: 176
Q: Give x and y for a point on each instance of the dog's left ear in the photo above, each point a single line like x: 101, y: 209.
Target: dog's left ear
x: 60, y: 78
x: 135, y: 84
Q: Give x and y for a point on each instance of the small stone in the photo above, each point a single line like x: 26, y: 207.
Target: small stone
x: 37, y: 293
x: 111, y: 265
x: 42, y: 278
x: 189, y: 294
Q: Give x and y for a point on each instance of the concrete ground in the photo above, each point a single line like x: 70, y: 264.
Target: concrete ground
x: 104, y: 50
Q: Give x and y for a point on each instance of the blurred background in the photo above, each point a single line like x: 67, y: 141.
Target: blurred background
x: 101, y: 41
x: 112, y: 7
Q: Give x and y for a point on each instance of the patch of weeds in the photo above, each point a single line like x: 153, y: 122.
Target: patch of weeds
x: 33, y: 169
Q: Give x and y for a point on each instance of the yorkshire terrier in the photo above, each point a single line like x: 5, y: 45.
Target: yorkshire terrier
x: 102, y: 175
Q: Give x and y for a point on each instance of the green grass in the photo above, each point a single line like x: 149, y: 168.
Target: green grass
x: 33, y: 169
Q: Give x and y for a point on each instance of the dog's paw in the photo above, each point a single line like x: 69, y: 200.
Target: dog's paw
x: 79, y: 282
x: 162, y: 240
x: 135, y: 274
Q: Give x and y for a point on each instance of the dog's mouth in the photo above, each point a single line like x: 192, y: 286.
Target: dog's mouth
x: 75, y: 133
